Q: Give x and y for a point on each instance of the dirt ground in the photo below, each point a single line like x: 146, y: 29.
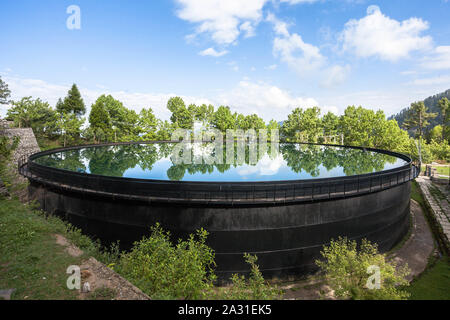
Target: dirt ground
x: 103, y: 282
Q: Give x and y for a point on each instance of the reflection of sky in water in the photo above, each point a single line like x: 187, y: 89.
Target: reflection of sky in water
x: 266, y: 169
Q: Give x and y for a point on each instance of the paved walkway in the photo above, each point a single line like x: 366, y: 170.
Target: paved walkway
x: 420, y: 245
x: 439, y: 205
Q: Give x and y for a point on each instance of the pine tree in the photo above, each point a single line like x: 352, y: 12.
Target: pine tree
x: 444, y: 105
x: 417, y: 119
x: 99, y: 120
x: 4, y: 92
x: 73, y: 103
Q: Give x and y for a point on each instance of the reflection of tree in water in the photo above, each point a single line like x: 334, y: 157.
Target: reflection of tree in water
x: 301, y: 157
x: 147, y: 156
x: 112, y: 160
x: 115, y: 160
x: 68, y: 160
x: 354, y: 161
x: 308, y: 158
x: 177, y: 172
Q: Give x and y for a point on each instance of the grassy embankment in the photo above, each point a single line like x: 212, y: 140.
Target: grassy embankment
x: 30, y: 259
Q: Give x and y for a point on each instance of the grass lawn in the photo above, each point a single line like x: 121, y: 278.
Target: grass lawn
x: 443, y: 170
x: 434, y: 283
x: 30, y: 260
x: 416, y: 195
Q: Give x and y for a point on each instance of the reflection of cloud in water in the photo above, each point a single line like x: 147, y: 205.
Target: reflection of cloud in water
x: 265, y: 166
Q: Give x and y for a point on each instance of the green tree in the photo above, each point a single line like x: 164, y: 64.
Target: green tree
x: 73, y: 103
x: 440, y: 150
x: 148, y: 124
x: 165, y: 129
x: 35, y: 114
x: 70, y: 126
x: 444, y: 106
x: 272, y: 125
x: 302, y: 125
x: 99, y: 122
x: 250, y: 122
x: 347, y: 270
x: 182, y: 117
x: 330, y: 124
x: 204, y: 114
x: 417, y: 120
x: 123, y: 121
x: 5, y: 93
x: 436, y: 134
x: 224, y: 119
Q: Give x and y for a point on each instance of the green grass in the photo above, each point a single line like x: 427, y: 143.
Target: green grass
x: 417, y: 195
x: 443, y: 170
x: 102, y: 293
x: 30, y: 259
x: 434, y: 283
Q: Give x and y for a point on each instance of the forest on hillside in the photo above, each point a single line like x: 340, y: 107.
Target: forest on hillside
x: 432, y: 104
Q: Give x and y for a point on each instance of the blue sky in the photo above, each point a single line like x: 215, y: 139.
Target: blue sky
x: 257, y: 56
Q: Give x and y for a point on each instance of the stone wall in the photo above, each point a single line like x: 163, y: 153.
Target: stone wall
x: 27, y: 144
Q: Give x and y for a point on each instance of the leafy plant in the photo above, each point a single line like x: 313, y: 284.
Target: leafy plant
x: 253, y: 288
x: 346, y: 269
x: 166, y: 271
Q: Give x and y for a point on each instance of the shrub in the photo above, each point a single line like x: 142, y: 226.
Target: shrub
x: 346, y: 270
x: 255, y: 288
x: 165, y: 271
x: 7, y: 147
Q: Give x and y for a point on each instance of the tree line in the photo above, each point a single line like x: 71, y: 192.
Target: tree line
x: 110, y: 121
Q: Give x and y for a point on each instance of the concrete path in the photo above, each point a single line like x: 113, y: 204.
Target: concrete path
x: 440, y: 207
x: 420, y: 245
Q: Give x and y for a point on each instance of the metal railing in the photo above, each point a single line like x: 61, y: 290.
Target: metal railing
x: 217, y: 193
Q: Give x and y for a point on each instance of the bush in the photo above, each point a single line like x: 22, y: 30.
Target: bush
x: 165, y: 271
x: 346, y: 270
x: 7, y: 147
x: 255, y: 288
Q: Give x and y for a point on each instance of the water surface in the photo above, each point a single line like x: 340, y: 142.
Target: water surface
x: 157, y: 161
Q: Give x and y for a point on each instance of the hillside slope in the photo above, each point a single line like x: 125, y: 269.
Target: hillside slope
x: 431, y: 103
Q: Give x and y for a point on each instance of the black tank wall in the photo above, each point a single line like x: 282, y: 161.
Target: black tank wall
x: 287, y: 239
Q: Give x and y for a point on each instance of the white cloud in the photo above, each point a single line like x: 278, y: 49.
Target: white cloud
x: 22, y: 87
x: 271, y: 67
x: 268, y: 101
x: 299, y: 55
x: 279, y: 27
x: 212, y: 52
x: 378, y: 35
x: 265, y: 167
x: 222, y: 20
x: 432, y: 81
x: 440, y: 59
x: 336, y: 76
x: 303, y: 57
